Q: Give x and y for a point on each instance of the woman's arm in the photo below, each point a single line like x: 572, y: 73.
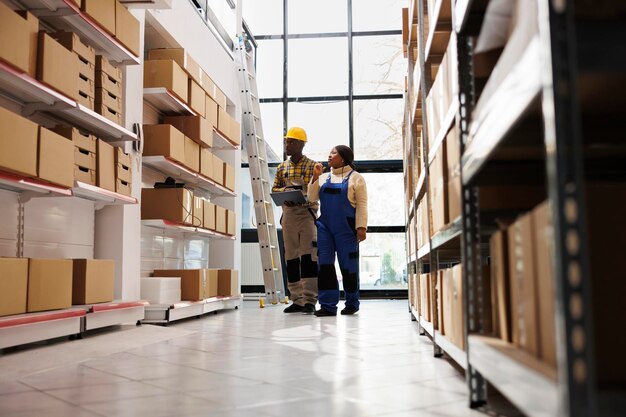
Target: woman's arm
x: 313, y: 190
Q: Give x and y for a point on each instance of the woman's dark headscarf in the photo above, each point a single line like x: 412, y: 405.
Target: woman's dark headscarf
x: 346, y: 154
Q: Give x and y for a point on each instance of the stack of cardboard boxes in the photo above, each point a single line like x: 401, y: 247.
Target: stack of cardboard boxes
x: 113, y: 17
x: 108, y: 98
x: 84, y: 153
x: 86, y: 66
x: 123, y: 172
x: 200, y: 284
x: 31, y: 285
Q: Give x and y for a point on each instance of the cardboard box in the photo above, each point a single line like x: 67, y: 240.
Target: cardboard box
x: 57, y: 67
x: 518, y: 197
x: 425, y: 307
x: 197, y: 98
x: 164, y: 140
x: 111, y: 114
x: 127, y: 29
x: 86, y: 69
x: 55, y: 158
x: 105, y: 165
x: 85, y: 159
x: 182, y: 58
x: 173, y: 204
x: 198, y: 212
x: 192, y: 155
x: 439, y: 189
x: 105, y: 81
x: 206, y: 162
x: 219, y: 97
x: 102, y: 11
x: 218, y: 170
x: 81, y: 140
x: 71, y: 41
x: 440, y: 302
x: 227, y: 282
x: 123, y: 187
x: 209, y: 215
x: 223, y: 121
x: 123, y: 172
x: 86, y: 87
x: 122, y: 158
x: 93, y: 281
x: 229, y: 176
x: 49, y: 284
x: 220, y: 219
x: 194, y: 127
x: 86, y: 101
x: 13, y: 285
x: 235, y: 131
x: 108, y: 99
x: 457, y: 307
x: 498, y: 247
x: 161, y: 290
x: 85, y: 175
x: 453, y: 159
x: 21, y: 29
x: 168, y: 74
x: 207, y: 84
x: 523, y: 285
x: 18, y: 144
x: 195, y: 284
x: 543, y: 235
x: 231, y: 223
x: 103, y: 65
x: 211, y: 111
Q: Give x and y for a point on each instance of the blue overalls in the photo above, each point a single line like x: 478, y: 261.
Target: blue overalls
x: 336, y: 232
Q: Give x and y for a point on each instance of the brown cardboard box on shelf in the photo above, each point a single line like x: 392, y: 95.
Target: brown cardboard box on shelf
x: 122, y: 158
x: 49, y: 284
x: 87, y: 87
x: 85, y: 159
x: 212, y: 282
x: 194, y: 127
x: 102, y: 12
x: 440, y: 295
x: 229, y: 177
x: 223, y: 121
x: 182, y: 58
x: 168, y: 74
x: 105, y: 81
x: 108, y: 99
x: 523, y: 285
x: 57, y: 67
x: 220, y: 97
x: 81, y: 140
x: 498, y: 249
x: 123, y: 187
x: 105, y: 165
x: 519, y: 197
x: 228, y: 282
x: 453, y: 159
x: 111, y: 114
x: 220, y: 219
x: 127, y: 28
x: 71, y: 41
x: 207, y: 84
x: 218, y: 170
x: 211, y: 111
x: 18, y: 144
x: 235, y: 131
x: 123, y: 172
x: 543, y: 235
x: 192, y: 155
x: 194, y: 283
x: 103, y: 65
x: 85, y: 175
x: 173, y: 204
x: 21, y: 29
x: 457, y: 309
x: 86, y: 69
x: 209, y: 215
x: 164, y: 140
x: 425, y: 307
x: 13, y: 285
x: 86, y: 100
x: 206, y: 162
x: 439, y: 189
x: 448, y: 301
x: 55, y: 158
x: 198, y: 212
x: 231, y: 222
x: 93, y: 281
x: 197, y: 98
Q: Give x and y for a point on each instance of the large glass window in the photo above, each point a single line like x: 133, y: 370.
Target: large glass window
x: 379, y: 66
x: 270, y: 64
x: 385, y: 195
x: 272, y: 120
x: 318, y: 67
x: 383, y: 261
x: 317, y: 16
x: 378, y: 129
x: 263, y: 17
x: 369, y: 15
x: 326, y: 125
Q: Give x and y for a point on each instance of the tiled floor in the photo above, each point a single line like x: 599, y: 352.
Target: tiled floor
x: 254, y: 362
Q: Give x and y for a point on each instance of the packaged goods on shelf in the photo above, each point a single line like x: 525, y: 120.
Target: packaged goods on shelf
x: 57, y: 67
x: 192, y: 155
x: 104, y: 66
x: 440, y: 302
x: 229, y: 176
x: 438, y: 179
x: 55, y: 158
x: 86, y: 66
x: 13, y: 285
x: 195, y: 284
x: 453, y: 150
x: 218, y: 170
x: 206, y: 162
x: 197, y: 98
x: 105, y: 170
x: 123, y: 172
x: 220, y: 219
x: 161, y: 290
x: 424, y: 288
x: 229, y: 126
x: 173, y: 204
x: 209, y: 215
x: 211, y: 111
x: 453, y: 305
x: 22, y: 29
x: 198, y: 212
x: 102, y: 12
x: 227, y: 282
x: 498, y: 246
x: 127, y: 28
x: 49, y: 284
x: 168, y: 74
x: 182, y: 58
x: 85, y: 157
x: 164, y: 140
x: 109, y: 113
x: 107, y: 99
x: 231, y: 222
x: 196, y: 128
x: 108, y: 83
x: 93, y: 281
x: 18, y: 144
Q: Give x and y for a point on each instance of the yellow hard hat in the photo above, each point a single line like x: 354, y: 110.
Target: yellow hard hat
x: 296, y: 133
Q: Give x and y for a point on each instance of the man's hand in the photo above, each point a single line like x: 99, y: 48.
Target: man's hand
x: 361, y: 234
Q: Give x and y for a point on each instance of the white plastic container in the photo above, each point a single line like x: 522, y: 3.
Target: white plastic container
x: 160, y: 290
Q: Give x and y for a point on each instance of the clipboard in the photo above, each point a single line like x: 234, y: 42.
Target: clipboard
x: 295, y: 196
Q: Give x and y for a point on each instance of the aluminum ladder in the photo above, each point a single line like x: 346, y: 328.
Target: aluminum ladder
x: 254, y: 144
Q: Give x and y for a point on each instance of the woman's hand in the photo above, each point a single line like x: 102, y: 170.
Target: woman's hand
x: 317, y: 171
x: 361, y: 234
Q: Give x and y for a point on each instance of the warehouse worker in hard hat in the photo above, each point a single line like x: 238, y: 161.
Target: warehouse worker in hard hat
x: 342, y: 194
x: 298, y: 222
